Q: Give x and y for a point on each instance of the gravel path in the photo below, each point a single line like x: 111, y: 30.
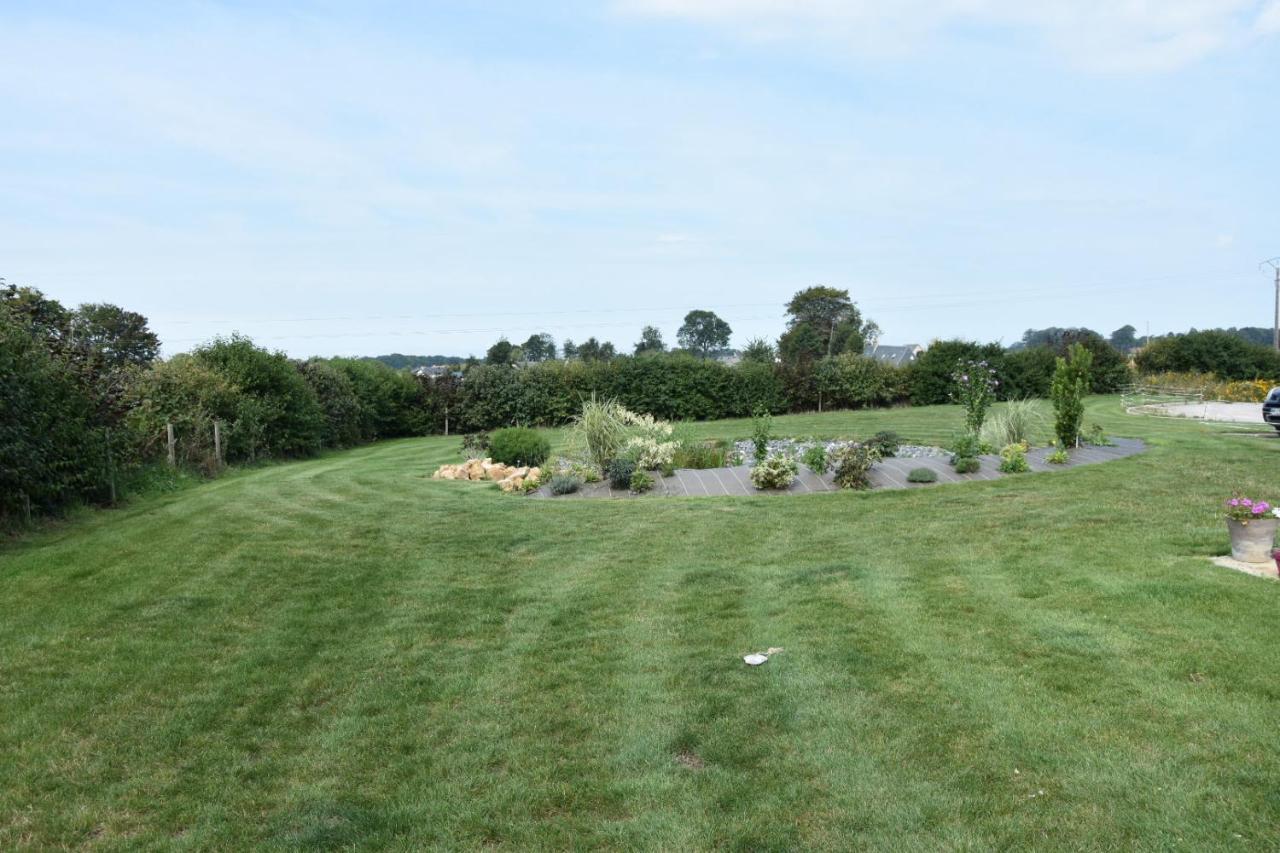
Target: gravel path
x: 887, y: 474
x: 1235, y: 413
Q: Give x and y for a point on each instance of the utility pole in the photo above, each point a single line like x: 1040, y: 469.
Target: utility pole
x: 1274, y: 263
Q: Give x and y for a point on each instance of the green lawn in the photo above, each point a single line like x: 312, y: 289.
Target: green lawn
x: 345, y: 652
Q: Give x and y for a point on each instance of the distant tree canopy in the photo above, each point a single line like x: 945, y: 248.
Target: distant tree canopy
x: 592, y: 350
x: 501, y: 352
x: 539, y: 347
x: 759, y: 351
x: 569, y: 348
x: 823, y: 322
x: 1054, y: 336
x: 1221, y: 353
x: 1124, y: 338
x: 703, y: 333
x: 650, y: 341
x: 398, y: 361
x: 118, y: 337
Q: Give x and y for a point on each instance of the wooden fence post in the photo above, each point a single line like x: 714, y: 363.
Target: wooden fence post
x: 111, y: 468
x: 217, y: 442
x: 446, y: 419
x: 173, y: 451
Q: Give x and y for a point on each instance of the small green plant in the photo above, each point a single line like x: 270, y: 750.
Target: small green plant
x: 699, y: 455
x: 922, y: 475
x: 475, y: 445
x: 852, y: 464
x: 565, y: 484
x: 641, y: 481
x: 1013, y: 459
x: 668, y: 470
x: 966, y: 465
x: 886, y: 442
x: 519, y: 446
x: 815, y: 459
x: 619, y: 472
x: 1096, y: 436
x: 776, y: 471
x: 1058, y: 457
x: 761, y: 432
x: 965, y: 446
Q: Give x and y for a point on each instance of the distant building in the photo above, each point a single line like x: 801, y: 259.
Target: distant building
x: 894, y: 356
x: 731, y: 358
x: 435, y: 371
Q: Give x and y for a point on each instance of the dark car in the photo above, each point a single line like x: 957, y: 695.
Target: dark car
x: 1271, y: 408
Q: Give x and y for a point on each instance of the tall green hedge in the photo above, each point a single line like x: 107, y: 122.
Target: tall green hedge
x: 51, y: 450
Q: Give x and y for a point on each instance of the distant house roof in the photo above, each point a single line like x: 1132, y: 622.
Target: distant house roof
x: 435, y: 371
x: 897, y: 356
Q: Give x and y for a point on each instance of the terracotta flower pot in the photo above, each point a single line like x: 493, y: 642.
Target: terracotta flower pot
x: 1252, y: 541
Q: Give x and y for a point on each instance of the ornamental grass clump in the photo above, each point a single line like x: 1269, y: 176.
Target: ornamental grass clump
x: 1018, y: 421
x: 777, y: 471
x: 922, y: 475
x: 600, y: 430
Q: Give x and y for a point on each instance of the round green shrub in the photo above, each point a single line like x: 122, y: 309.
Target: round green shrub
x: 966, y: 464
x: 519, y: 446
x: 922, y: 475
x: 775, y: 472
x: 619, y: 472
x: 886, y: 442
x: 565, y: 484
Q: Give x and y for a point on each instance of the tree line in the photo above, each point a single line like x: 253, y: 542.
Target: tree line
x: 86, y: 404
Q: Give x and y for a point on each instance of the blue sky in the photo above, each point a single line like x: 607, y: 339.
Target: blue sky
x: 423, y: 177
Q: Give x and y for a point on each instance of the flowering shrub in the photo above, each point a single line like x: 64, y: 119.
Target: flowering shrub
x: 1245, y: 510
x: 852, y: 464
x: 974, y: 388
x: 775, y: 472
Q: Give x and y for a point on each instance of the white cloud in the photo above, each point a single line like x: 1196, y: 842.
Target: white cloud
x: 1097, y: 35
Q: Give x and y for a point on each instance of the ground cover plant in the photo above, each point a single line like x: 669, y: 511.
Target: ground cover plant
x: 341, y: 652
x: 922, y: 475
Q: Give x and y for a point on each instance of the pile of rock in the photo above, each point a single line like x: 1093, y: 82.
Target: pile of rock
x: 508, y: 478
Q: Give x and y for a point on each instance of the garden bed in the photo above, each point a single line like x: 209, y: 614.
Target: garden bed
x: 888, y: 473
